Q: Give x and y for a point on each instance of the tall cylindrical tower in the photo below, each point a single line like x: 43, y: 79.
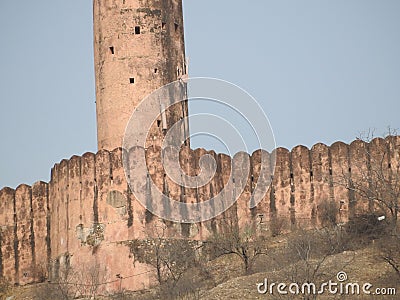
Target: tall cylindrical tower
x: 138, y: 47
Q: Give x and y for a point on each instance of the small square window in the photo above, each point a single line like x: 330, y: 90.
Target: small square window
x: 137, y: 29
x: 131, y: 80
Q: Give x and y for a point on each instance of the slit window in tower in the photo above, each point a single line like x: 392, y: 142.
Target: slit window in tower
x: 155, y: 71
x: 163, y: 24
x: 112, y: 50
x: 176, y: 27
x: 137, y: 29
x: 131, y: 80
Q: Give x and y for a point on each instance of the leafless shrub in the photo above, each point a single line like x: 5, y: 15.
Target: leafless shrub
x: 306, y: 257
x: 364, y: 228
x: 242, y: 242
x: 277, y: 226
x: 82, y: 282
x: 328, y: 213
x: 390, y: 252
x: 174, y: 260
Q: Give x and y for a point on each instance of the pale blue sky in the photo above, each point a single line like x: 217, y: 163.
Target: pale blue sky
x: 322, y: 70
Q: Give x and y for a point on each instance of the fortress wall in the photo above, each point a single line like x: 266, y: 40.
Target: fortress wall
x: 73, y: 203
x: 53, y: 220
x: 322, y: 182
x: 89, y: 188
x: 93, y: 219
x: 260, y: 179
x: 302, y: 197
x: 394, y: 150
x: 103, y: 180
x: 117, y: 201
x: 204, y: 192
x: 188, y: 162
x: 212, y: 189
x: 87, y: 212
x: 340, y: 162
x: 225, y: 176
x: 7, y: 237
x: 359, y: 172
x: 25, y: 238
x: 62, y: 209
x: 282, y: 200
x: 155, y: 186
x: 137, y: 225
x: 41, y: 229
x: 380, y: 167
x: 242, y: 178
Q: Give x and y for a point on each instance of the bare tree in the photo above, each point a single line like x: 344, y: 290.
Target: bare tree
x: 390, y: 249
x: 82, y: 282
x: 242, y: 242
x: 307, y: 254
x: 171, y: 258
x: 328, y: 213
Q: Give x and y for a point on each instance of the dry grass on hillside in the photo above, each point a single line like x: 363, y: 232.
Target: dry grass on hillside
x: 304, y: 256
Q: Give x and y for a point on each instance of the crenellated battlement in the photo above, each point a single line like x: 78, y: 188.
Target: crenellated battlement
x: 87, y: 210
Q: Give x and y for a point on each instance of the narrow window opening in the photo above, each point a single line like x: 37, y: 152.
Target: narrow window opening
x: 291, y: 175
x: 132, y: 80
x: 261, y: 217
x: 176, y: 27
x: 137, y: 29
x: 389, y: 165
x: 349, y: 170
x: 155, y: 71
x: 112, y: 50
x: 330, y: 172
x: 158, y: 123
x: 163, y: 24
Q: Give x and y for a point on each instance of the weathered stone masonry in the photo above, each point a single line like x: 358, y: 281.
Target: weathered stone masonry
x: 86, y: 213
x: 138, y: 48
x: 87, y: 216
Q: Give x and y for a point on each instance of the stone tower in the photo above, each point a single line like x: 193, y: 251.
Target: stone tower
x: 138, y: 47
